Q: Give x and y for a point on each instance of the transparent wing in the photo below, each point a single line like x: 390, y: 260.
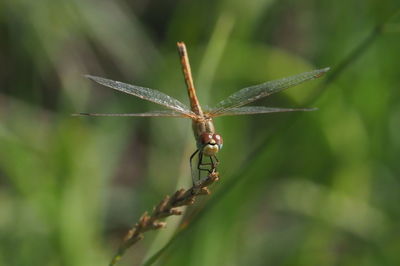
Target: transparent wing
x: 146, y: 94
x: 248, y: 110
x: 253, y: 93
x: 164, y: 113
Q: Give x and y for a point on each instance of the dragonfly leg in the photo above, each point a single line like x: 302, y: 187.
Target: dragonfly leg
x: 191, y: 166
x: 213, y: 163
x: 199, y: 164
x: 208, y: 169
x: 216, y: 162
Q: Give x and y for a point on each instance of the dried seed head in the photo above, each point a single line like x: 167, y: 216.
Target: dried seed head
x: 175, y: 212
x: 157, y: 225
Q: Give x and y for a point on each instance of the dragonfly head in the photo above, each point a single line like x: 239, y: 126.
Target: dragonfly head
x: 210, y: 143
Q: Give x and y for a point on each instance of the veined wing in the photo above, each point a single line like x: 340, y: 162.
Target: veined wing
x: 248, y: 110
x: 164, y: 113
x: 253, y: 93
x: 146, y: 94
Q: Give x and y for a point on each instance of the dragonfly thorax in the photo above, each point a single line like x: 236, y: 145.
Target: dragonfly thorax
x: 202, y: 126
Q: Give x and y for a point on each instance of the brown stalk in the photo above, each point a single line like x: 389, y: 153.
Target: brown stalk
x: 167, y: 207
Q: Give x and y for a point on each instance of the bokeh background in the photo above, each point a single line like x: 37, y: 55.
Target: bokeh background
x: 315, y: 188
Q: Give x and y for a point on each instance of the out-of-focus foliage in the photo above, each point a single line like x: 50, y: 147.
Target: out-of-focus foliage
x: 322, y: 188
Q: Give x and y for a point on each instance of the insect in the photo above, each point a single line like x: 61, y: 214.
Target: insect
x: 209, y: 143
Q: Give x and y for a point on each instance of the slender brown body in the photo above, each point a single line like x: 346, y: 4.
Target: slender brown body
x: 200, y: 126
x: 187, y: 73
x: 208, y: 143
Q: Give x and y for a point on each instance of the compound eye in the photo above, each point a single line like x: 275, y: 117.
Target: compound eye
x: 218, y: 139
x: 206, y: 138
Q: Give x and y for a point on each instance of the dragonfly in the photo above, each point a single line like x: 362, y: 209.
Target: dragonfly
x: 208, y: 142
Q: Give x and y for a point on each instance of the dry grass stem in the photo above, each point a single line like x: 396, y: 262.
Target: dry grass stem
x: 165, y: 208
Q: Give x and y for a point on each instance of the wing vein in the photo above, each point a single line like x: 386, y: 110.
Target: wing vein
x: 163, y: 113
x: 253, y: 93
x: 248, y: 110
x: 146, y: 94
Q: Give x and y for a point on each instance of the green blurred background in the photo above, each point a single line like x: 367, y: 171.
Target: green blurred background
x: 315, y: 188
